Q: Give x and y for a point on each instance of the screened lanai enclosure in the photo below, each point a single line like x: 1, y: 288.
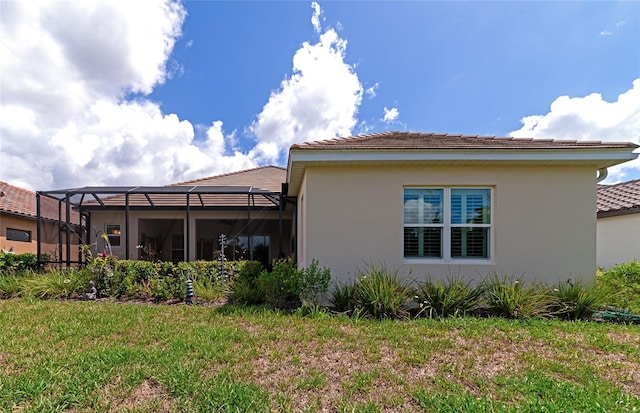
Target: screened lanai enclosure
x: 173, y: 223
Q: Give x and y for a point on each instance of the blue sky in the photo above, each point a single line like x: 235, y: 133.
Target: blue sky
x: 167, y: 92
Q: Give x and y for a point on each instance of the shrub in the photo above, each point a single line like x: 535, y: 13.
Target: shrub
x: 575, y: 301
x: 314, y: 284
x: 509, y: 297
x: 456, y: 297
x: 379, y: 293
x: 282, y: 285
x: 54, y: 284
x: 10, y: 262
x: 622, y: 282
x: 245, y: 288
x: 342, y: 298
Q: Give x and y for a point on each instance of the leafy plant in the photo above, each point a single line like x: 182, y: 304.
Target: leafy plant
x: 577, y: 301
x: 282, y: 285
x: 245, y: 288
x: 456, y: 297
x: 510, y: 297
x: 314, y: 283
x: 10, y: 262
x: 622, y: 282
x: 379, y: 293
x: 342, y: 298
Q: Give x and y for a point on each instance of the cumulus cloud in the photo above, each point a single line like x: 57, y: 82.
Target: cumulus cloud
x: 591, y: 118
x: 67, y: 69
x: 319, y: 101
x: 390, y: 115
x: 315, y: 17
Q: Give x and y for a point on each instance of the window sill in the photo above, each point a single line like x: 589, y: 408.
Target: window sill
x: 439, y: 261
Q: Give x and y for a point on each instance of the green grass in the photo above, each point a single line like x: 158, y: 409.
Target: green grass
x: 104, y: 356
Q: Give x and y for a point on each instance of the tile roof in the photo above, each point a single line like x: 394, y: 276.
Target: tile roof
x: 619, y: 199
x: 20, y: 201
x: 269, y: 178
x: 415, y: 140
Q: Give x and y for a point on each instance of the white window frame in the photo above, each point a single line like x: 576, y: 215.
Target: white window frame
x: 113, y: 235
x: 447, y: 226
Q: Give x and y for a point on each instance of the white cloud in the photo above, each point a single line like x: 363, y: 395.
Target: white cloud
x: 605, y: 33
x: 315, y: 18
x: 66, y: 68
x: 319, y: 101
x: 390, y: 115
x: 591, y: 118
x: 372, y: 91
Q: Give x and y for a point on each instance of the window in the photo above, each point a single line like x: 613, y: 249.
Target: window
x: 18, y: 235
x: 113, y: 233
x: 447, y: 223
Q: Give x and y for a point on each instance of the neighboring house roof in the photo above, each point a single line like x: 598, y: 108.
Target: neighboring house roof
x: 269, y: 178
x: 619, y: 199
x: 22, y: 202
x: 433, y: 148
x: 258, y: 186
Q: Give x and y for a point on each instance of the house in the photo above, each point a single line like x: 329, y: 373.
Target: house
x: 185, y: 221
x: 618, y: 225
x: 18, y: 219
x: 423, y: 203
x: 450, y: 204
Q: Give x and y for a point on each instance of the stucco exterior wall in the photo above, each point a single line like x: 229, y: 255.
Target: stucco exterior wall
x: 49, y: 245
x: 618, y: 240
x: 544, y: 220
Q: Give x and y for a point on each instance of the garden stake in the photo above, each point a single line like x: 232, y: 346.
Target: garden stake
x: 188, y: 298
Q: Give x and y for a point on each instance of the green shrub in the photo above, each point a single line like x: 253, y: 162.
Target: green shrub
x: 314, y: 284
x: 622, y: 282
x: 282, y: 285
x: 10, y: 262
x: 379, y: 293
x: 456, y: 297
x: 210, y: 291
x: 54, y: 284
x: 245, y: 288
x: 575, y: 301
x: 509, y: 297
x: 342, y: 298
x: 11, y: 284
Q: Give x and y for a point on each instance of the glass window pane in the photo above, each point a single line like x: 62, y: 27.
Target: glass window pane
x: 469, y: 242
x: 113, y: 233
x: 423, y: 206
x: 18, y: 235
x: 411, y: 201
x: 470, y: 206
x: 423, y: 242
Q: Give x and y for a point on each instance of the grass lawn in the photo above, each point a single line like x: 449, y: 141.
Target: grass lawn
x: 104, y: 356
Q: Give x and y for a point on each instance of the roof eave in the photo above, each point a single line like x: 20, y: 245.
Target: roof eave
x: 598, y: 157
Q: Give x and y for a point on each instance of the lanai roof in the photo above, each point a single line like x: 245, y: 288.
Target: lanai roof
x: 258, y: 187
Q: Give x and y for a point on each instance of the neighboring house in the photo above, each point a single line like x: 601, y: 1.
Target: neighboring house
x: 18, y: 219
x: 184, y: 221
x: 445, y: 205
x: 618, y: 225
x: 450, y: 205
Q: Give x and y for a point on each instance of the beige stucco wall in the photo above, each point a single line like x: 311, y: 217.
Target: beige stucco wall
x: 49, y: 241
x: 544, y: 219
x: 618, y: 240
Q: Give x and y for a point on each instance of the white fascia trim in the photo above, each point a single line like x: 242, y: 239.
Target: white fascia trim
x: 510, y: 155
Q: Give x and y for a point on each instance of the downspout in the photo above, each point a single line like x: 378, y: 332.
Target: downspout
x: 602, y: 175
